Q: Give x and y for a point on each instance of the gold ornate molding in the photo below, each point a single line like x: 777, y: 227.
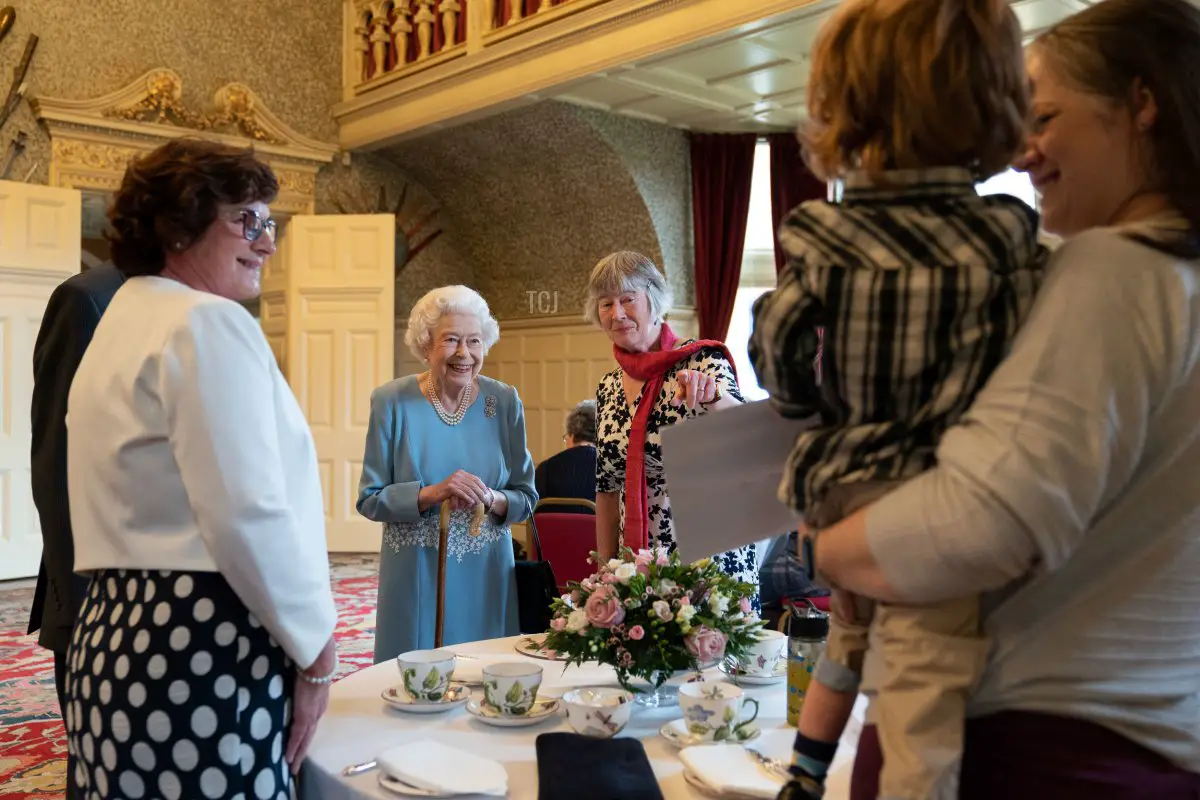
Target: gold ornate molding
x: 92, y: 141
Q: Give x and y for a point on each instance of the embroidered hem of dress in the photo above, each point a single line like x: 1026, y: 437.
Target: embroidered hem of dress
x: 460, y: 542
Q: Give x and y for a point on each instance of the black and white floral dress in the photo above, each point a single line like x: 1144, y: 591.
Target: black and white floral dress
x: 613, y: 423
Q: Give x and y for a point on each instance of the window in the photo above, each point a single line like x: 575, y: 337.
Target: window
x: 758, y: 271
x: 1011, y: 182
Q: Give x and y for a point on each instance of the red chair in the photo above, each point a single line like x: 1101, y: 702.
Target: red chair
x: 567, y: 540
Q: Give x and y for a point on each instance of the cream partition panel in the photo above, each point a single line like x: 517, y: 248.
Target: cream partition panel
x: 328, y: 310
x: 39, y: 248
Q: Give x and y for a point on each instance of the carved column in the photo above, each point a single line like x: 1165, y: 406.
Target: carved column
x: 450, y: 9
x: 425, y: 20
x: 516, y: 10
x: 363, y: 45
x: 545, y: 6
x: 401, y: 28
x: 379, y: 44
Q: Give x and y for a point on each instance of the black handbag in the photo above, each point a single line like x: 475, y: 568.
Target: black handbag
x: 536, y: 588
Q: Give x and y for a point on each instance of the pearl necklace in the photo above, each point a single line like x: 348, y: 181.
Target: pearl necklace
x: 463, y: 403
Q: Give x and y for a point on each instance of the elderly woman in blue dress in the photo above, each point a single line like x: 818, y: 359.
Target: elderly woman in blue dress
x: 449, y: 435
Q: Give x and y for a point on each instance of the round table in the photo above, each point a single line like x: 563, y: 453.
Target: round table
x: 359, y: 725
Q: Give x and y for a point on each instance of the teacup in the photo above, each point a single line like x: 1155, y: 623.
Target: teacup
x: 511, y: 687
x: 426, y: 674
x: 764, y: 656
x: 713, y: 711
x: 602, y: 712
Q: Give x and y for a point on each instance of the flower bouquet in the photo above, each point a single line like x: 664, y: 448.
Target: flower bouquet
x: 648, y: 615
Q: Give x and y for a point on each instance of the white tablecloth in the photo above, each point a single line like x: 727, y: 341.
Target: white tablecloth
x: 359, y: 725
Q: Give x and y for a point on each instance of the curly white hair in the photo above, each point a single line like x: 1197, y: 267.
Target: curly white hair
x: 448, y: 300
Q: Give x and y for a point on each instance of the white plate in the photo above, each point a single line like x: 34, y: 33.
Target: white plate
x: 532, y: 646
x: 456, y: 696
x: 542, y: 709
x: 676, y: 733
x: 406, y: 790
x: 739, y: 677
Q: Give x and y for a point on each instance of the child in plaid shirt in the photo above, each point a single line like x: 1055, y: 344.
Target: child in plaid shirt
x: 919, y: 285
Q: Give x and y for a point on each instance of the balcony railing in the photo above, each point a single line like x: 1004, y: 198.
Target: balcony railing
x: 396, y: 38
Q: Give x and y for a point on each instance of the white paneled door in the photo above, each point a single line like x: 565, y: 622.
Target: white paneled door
x: 328, y: 311
x: 39, y: 248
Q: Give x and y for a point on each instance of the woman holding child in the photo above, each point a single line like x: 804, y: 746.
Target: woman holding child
x: 1067, y: 492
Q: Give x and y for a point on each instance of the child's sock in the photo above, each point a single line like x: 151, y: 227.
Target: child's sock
x: 811, y: 757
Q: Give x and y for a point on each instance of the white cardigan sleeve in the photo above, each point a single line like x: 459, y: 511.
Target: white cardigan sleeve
x: 218, y: 391
x: 1058, y: 432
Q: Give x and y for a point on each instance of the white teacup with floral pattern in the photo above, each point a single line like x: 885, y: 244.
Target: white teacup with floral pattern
x: 601, y: 712
x: 511, y: 687
x: 765, y: 655
x: 713, y: 710
x: 426, y: 674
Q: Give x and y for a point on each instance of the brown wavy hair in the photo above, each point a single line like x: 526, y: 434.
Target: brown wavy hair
x: 169, y: 198
x: 905, y: 84
x: 1110, y: 47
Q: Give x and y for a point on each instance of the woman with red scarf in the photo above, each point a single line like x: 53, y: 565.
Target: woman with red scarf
x: 659, y: 381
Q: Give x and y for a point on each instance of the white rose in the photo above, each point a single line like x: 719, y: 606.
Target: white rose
x: 625, y: 572
x: 666, y: 586
x: 614, y: 563
x: 577, y: 620
x: 662, y: 610
x: 719, y: 603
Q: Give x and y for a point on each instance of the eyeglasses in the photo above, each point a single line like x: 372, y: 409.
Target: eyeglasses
x: 254, y: 226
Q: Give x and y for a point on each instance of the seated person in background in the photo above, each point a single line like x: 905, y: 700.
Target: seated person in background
x: 572, y: 472
x: 783, y: 576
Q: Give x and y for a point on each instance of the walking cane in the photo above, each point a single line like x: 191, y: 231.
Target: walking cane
x: 443, y: 545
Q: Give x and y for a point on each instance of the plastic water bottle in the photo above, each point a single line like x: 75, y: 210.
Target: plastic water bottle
x: 808, y: 628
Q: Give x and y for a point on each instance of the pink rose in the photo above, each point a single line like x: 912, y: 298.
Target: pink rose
x: 744, y: 605
x: 608, y: 577
x: 558, y: 623
x: 643, y: 558
x: 604, y: 608
x: 706, y: 644
x: 637, y: 632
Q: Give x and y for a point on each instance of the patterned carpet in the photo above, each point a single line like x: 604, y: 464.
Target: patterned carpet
x: 32, y: 743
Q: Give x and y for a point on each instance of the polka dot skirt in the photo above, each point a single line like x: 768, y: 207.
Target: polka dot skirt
x: 175, y: 690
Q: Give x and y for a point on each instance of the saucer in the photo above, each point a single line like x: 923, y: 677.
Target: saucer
x: 542, y: 709
x: 534, y: 647
x: 676, y: 733
x: 738, y: 676
x: 396, y: 786
x: 455, y: 696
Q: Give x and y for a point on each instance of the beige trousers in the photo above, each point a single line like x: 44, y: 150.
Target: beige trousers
x: 926, y: 660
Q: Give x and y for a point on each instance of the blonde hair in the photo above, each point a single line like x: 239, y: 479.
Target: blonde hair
x: 906, y: 84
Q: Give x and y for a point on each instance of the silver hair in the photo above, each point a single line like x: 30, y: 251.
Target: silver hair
x: 448, y: 300
x: 581, y: 422
x: 626, y: 271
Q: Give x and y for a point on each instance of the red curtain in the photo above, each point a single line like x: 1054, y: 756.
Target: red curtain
x: 722, y: 167
x: 791, y: 183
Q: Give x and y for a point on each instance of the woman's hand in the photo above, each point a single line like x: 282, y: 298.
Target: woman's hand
x: 693, y: 388
x: 461, y: 490
x: 309, y: 702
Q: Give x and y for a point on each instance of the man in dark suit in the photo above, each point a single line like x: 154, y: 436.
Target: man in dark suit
x: 572, y: 473
x: 71, y: 317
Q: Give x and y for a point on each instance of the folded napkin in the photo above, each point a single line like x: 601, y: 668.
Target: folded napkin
x: 431, y: 765
x: 574, y: 767
x: 727, y: 769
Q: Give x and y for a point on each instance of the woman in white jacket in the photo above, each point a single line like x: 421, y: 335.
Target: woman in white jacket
x: 204, y: 651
